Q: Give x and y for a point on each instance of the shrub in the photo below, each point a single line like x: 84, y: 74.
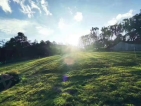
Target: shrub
x: 8, y: 80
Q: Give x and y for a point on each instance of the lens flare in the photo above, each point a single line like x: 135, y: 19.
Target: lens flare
x: 69, y: 61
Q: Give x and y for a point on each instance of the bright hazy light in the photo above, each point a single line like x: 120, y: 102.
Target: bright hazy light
x: 78, y: 17
x: 72, y: 40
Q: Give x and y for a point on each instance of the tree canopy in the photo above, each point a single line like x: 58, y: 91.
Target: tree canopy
x: 128, y: 30
x: 20, y: 48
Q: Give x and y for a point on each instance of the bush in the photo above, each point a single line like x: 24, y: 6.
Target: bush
x: 9, y: 79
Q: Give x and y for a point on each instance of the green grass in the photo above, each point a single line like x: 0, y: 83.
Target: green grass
x: 95, y: 79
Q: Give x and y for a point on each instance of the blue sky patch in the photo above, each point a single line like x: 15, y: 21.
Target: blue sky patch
x: 63, y: 21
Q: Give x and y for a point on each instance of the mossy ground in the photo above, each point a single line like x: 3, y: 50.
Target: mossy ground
x: 95, y: 79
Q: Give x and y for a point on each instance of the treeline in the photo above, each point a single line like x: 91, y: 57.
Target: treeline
x: 128, y: 30
x: 20, y: 48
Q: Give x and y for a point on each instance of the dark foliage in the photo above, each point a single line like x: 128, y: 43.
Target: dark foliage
x: 8, y: 80
x: 20, y: 48
x: 128, y: 30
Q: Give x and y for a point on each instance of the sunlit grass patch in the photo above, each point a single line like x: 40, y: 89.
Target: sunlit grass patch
x: 94, y: 79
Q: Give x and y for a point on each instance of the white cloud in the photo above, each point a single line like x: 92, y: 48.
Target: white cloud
x: 78, y: 17
x: 17, y: 1
x: 62, y: 25
x: 119, y: 17
x: 26, y: 9
x: 44, y: 5
x: 40, y: 5
x: 34, y: 6
x: 43, y: 30
x: 4, y: 4
x: 12, y: 26
x: 70, y: 10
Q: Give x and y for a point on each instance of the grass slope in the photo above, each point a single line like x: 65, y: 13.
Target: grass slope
x: 95, y: 79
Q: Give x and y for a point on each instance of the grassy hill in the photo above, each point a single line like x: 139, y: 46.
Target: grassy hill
x: 95, y: 79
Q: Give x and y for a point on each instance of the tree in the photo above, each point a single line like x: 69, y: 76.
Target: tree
x: 128, y: 30
x: 19, y: 48
x: 94, y: 33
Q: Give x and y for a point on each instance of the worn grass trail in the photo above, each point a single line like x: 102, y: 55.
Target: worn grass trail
x: 95, y: 79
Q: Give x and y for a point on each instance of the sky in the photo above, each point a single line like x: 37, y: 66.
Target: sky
x: 62, y: 21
